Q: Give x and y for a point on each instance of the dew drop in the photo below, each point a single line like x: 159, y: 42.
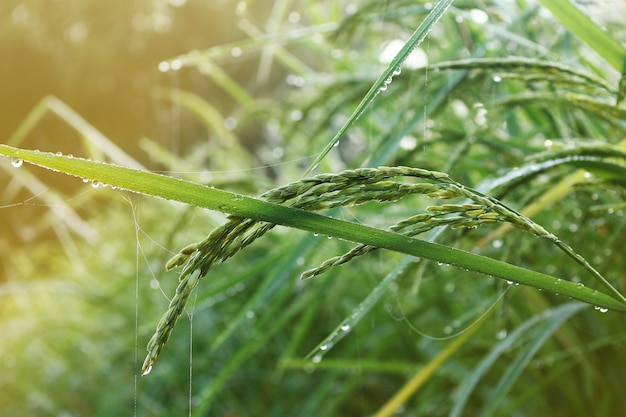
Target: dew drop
x: 501, y: 334
x: 95, y: 184
x: 250, y: 314
x: 324, y: 347
x: 345, y: 327
x: 398, y: 71
x: 59, y: 154
x: 603, y: 310
x: 17, y: 162
x: 147, y: 371
x: 580, y: 286
x: 509, y: 282
x: 317, y: 359
x: 85, y: 180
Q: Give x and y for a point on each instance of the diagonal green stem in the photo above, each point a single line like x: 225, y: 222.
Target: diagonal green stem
x: 385, y: 78
x: 202, y: 196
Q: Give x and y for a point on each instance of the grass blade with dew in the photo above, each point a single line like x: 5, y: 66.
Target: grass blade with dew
x: 525, y: 66
x: 245, y: 207
x: 157, y: 185
x: 386, y: 77
x: 363, y: 308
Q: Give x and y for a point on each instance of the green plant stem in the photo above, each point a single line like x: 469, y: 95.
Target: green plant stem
x: 386, y: 77
x: 235, y: 204
x: 578, y: 23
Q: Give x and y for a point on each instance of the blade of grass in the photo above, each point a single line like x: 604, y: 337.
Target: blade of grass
x: 208, y: 114
x: 471, y: 380
x: 57, y: 203
x: 385, y: 78
x: 276, y: 278
x: 348, y: 324
x: 272, y: 322
x: 256, y: 42
x: 429, y: 369
x: 92, y: 136
x: 554, y: 319
x: 556, y: 193
x: 216, y: 73
x: 214, y: 199
x: 579, y: 24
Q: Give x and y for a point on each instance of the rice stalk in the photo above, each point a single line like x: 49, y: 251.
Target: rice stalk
x: 347, y: 188
x: 518, y: 66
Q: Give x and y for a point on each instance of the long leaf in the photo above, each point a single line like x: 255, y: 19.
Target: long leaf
x: 578, y: 23
x: 386, y: 77
x: 471, y: 380
x: 214, y: 199
x: 554, y: 319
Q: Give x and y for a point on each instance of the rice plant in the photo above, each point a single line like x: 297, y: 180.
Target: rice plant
x: 451, y: 226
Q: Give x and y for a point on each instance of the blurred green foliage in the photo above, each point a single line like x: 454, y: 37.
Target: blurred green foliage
x: 77, y: 311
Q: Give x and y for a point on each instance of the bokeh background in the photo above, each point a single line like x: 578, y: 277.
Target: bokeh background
x: 242, y: 95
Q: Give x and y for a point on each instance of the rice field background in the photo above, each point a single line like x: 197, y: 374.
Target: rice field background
x: 312, y: 208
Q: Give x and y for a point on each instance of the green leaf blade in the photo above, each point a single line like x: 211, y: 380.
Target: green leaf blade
x: 157, y: 185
